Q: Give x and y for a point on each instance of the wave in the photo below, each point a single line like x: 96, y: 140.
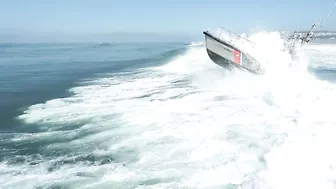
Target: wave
x: 186, y: 123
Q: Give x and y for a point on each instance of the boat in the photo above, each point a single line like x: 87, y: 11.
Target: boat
x: 228, y: 56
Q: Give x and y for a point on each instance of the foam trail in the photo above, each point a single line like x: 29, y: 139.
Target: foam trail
x: 186, y: 124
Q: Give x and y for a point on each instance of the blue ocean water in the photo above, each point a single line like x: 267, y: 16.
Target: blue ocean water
x: 142, y: 115
x: 34, y: 73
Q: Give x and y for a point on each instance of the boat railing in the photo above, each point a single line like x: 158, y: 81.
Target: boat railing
x: 231, y: 37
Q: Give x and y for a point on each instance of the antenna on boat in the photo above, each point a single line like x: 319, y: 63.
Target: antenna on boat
x: 310, y: 35
x: 239, y: 37
x: 331, y: 9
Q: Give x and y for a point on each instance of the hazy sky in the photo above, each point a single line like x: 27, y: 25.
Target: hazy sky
x: 159, y: 16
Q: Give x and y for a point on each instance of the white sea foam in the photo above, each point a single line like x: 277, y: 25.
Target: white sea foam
x: 190, y: 124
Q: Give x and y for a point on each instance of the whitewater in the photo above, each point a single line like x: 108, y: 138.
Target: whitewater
x: 188, y: 123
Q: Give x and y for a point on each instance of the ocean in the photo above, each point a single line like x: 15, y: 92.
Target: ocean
x: 162, y: 115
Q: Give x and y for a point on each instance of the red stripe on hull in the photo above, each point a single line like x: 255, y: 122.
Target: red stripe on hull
x: 236, y: 57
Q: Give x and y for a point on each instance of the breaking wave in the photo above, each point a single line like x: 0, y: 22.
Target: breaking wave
x: 185, y: 124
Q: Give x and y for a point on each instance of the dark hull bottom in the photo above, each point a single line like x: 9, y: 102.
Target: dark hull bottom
x: 225, y: 63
